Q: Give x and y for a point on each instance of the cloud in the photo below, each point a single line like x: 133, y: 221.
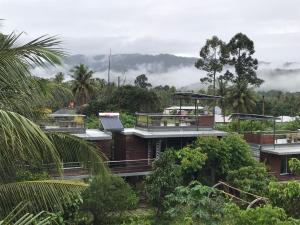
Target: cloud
x: 151, y: 26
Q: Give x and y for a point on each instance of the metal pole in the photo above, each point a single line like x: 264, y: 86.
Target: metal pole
x: 274, y: 124
x: 263, y: 105
x: 180, y: 105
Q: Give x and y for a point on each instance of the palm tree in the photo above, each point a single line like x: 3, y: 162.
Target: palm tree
x: 22, y: 142
x: 82, y: 87
x: 59, y: 77
x: 242, y: 98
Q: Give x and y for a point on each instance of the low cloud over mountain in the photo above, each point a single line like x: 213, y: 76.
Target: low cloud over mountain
x: 174, y: 70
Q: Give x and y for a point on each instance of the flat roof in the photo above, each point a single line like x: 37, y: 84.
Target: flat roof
x: 246, y: 116
x: 281, y: 149
x: 183, y: 107
x: 192, y: 95
x: 172, y: 134
x: 94, y: 135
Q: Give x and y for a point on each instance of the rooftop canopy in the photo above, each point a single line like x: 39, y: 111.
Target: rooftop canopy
x: 245, y: 116
x: 192, y: 95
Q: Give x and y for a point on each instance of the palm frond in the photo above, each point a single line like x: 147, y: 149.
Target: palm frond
x: 23, y: 143
x: 15, y: 63
x: 72, y: 148
x: 15, y: 217
x: 47, y: 195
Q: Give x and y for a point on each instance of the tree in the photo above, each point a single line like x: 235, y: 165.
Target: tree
x: 238, y: 150
x: 216, y: 164
x: 286, y: 196
x: 212, y: 59
x: 107, y: 198
x: 142, y: 81
x: 195, y: 204
x: 222, y: 90
x: 265, y: 215
x: 59, y: 78
x: 294, y: 165
x: 212, y: 56
x: 242, y: 98
x: 191, y: 161
x: 133, y: 99
x: 252, y: 179
x: 82, y: 87
x: 162, y: 181
x: 241, y: 50
x: 22, y: 142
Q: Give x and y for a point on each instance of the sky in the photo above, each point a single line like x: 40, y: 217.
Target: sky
x: 177, y: 27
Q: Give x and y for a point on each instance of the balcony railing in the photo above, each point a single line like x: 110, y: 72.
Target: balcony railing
x: 65, y: 124
x: 171, y: 122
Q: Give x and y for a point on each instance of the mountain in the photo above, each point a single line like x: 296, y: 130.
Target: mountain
x: 167, y: 69
x: 161, y: 63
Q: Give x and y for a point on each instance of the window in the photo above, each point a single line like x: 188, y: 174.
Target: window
x: 284, y: 168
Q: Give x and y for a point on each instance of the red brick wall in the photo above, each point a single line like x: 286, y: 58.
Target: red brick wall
x: 259, y: 138
x: 136, y: 147
x: 206, y: 121
x: 120, y: 147
x: 130, y: 147
x: 273, y: 162
x: 104, y: 146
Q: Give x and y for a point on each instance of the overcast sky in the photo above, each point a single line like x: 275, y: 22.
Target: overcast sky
x: 158, y: 26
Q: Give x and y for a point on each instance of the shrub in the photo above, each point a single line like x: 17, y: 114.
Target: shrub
x: 107, y: 198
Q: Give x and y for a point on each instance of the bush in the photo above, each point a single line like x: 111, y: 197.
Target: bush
x: 107, y: 198
x: 286, y: 196
x: 164, y: 178
x: 253, y: 179
x: 294, y: 165
x: 239, y: 152
x: 266, y: 215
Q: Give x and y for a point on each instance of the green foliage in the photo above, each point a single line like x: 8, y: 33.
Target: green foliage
x: 59, y: 78
x: 26, y: 175
x: 191, y: 161
x: 217, y: 158
x: 253, y: 179
x: 294, y: 165
x: 16, y: 217
x: 211, y: 59
x: 72, y: 214
x: 164, y: 178
x: 128, y: 120
x: 238, y: 150
x: 82, y: 87
x: 286, y: 196
x: 107, y: 198
x: 142, y: 81
x: 133, y: 99
x: 241, y: 49
x: 48, y: 195
x: 266, y: 215
x: 92, y: 122
x: 195, y: 204
x: 165, y: 94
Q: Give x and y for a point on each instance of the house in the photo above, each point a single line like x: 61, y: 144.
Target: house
x: 271, y: 147
x: 153, y: 133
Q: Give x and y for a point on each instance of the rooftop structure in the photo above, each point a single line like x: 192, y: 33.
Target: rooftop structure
x: 274, y: 148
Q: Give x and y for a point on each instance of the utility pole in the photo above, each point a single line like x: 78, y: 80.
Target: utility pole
x: 108, y: 73
x: 263, y: 105
x: 118, y: 81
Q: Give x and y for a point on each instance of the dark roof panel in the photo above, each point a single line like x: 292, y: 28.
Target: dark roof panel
x: 245, y: 116
x: 192, y: 95
x: 111, y: 123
